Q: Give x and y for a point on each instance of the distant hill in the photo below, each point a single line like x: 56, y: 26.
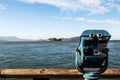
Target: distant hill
x: 14, y: 39
x: 4, y: 39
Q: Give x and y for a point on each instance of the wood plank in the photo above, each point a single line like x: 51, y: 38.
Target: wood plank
x: 40, y: 73
x: 111, y: 73
x: 53, y: 73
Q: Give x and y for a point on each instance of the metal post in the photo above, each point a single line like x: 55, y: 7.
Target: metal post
x: 91, y: 76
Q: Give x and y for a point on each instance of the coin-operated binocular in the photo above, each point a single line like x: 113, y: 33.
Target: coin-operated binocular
x: 92, y: 53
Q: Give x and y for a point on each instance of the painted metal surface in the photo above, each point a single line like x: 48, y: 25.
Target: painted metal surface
x: 92, y: 51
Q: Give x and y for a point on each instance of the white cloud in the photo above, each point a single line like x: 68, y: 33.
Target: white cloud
x: 108, y: 21
x: 118, y: 7
x: 82, y: 19
x: 114, y: 4
x: 2, y: 6
x: 112, y: 22
x: 92, y: 21
x: 93, y: 6
x: 87, y: 20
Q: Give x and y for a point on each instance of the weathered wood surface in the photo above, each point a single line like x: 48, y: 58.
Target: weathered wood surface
x: 52, y: 73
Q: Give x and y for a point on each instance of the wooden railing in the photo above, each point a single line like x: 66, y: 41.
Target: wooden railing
x: 46, y: 74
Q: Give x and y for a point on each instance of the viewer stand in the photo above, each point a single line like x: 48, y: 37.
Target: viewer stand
x: 92, y: 53
x: 91, y: 76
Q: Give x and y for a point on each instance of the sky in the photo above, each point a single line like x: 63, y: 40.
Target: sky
x: 42, y: 19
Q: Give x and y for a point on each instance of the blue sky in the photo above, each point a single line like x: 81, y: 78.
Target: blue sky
x: 41, y: 19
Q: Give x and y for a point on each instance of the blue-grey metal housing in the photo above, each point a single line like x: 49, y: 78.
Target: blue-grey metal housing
x: 92, y: 51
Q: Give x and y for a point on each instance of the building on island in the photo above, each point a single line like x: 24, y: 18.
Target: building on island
x: 53, y: 39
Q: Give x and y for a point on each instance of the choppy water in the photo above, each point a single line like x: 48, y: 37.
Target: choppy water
x: 47, y: 55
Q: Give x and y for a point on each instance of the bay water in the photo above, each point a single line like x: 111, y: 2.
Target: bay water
x: 47, y: 54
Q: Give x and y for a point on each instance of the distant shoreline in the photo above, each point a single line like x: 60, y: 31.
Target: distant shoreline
x: 45, y: 41
x: 72, y: 39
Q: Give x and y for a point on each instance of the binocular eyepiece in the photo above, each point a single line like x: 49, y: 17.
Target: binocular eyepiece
x: 92, y: 51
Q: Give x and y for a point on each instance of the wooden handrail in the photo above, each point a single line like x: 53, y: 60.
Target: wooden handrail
x: 52, y: 73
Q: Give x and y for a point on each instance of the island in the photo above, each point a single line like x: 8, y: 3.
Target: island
x: 53, y: 39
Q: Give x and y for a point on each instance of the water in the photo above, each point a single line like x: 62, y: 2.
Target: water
x: 37, y: 55
x: 47, y: 55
